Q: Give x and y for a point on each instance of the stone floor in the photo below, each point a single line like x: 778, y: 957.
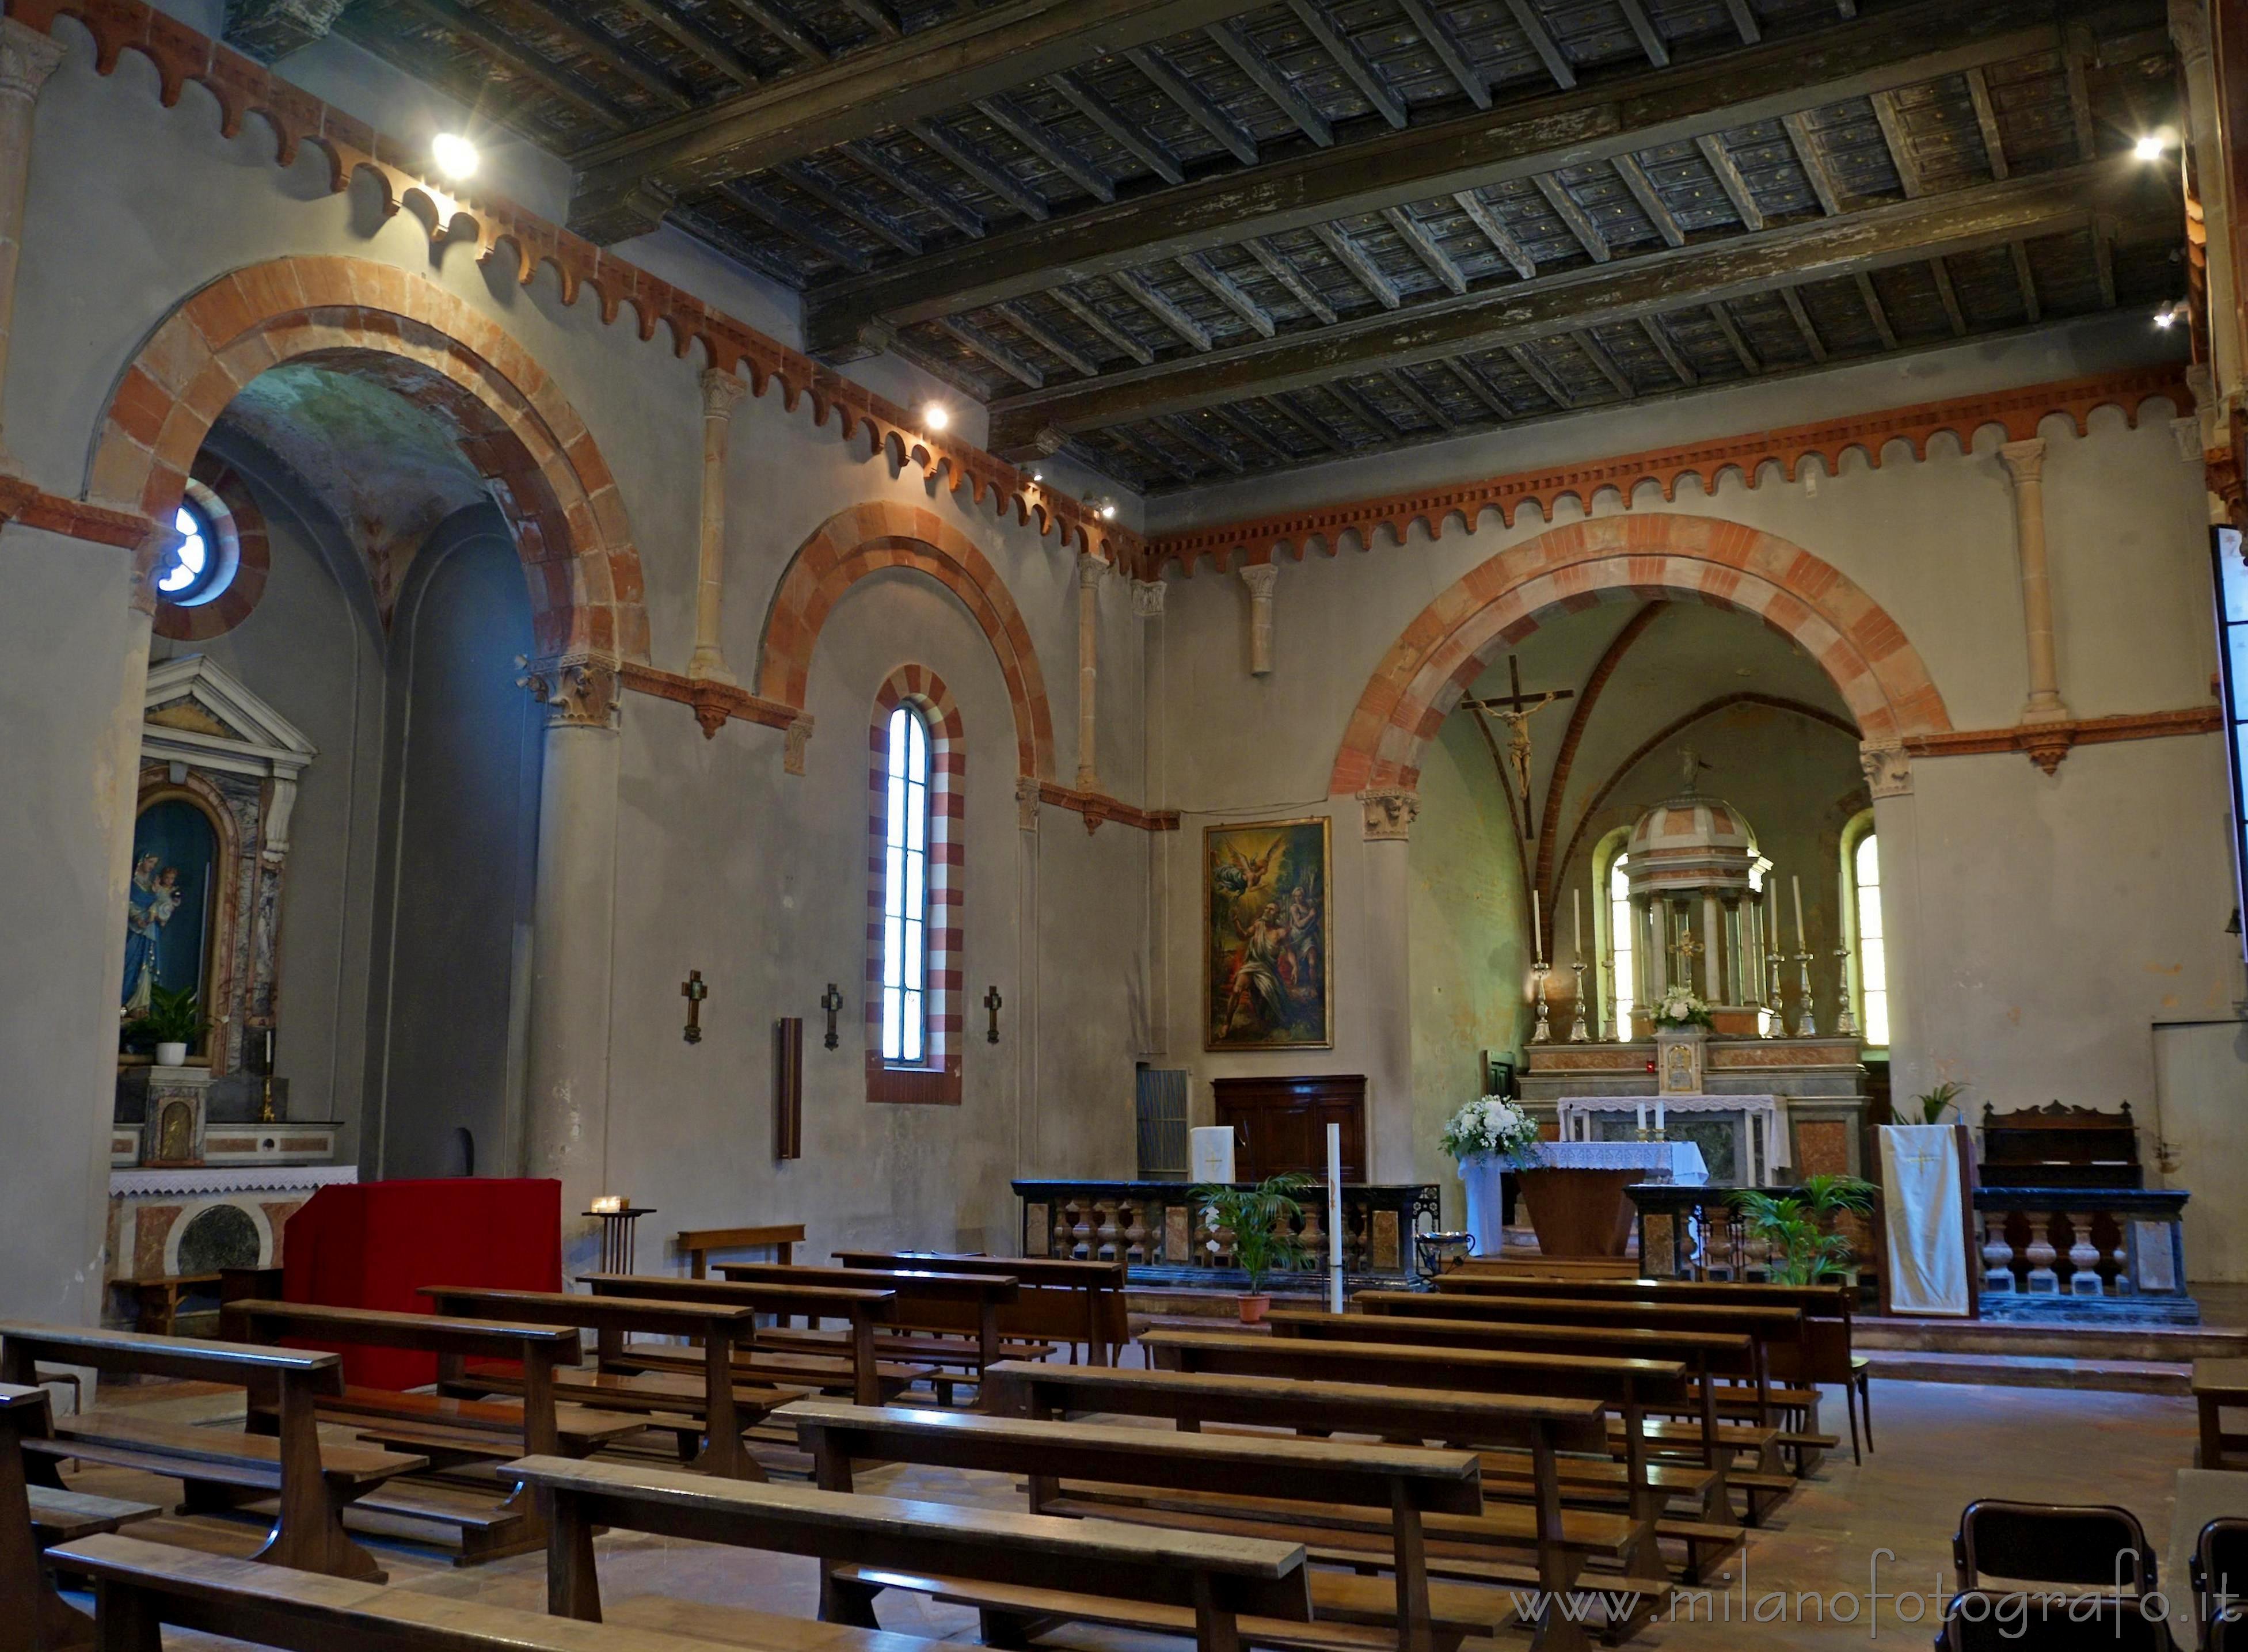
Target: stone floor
x: 1886, y: 1524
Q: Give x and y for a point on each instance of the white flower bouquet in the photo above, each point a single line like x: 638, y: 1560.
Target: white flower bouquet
x: 1681, y: 1008
x: 1490, y: 1125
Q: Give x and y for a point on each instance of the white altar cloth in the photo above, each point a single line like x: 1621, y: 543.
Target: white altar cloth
x: 1766, y: 1116
x: 1662, y: 1161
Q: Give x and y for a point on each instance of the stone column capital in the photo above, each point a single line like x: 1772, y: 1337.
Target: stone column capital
x: 1147, y: 598
x: 1259, y: 577
x: 721, y: 391
x: 1026, y: 802
x: 2188, y: 23
x: 2025, y: 460
x: 1089, y: 569
x: 1889, y: 772
x: 577, y: 691
x: 27, y: 58
x: 1390, y: 812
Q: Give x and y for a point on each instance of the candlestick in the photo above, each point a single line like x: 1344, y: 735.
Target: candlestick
x: 1805, y: 1026
x: 1578, y: 1032
x: 1845, y: 1023
x: 1795, y: 883
x: 1576, y: 924
x: 1537, y: 931
x: 1775, y: 1020
x: 1543, y: 1032
x: 1611, y: 1011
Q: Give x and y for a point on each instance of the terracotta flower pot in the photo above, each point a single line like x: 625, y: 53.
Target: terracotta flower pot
x: 1254, y: 1308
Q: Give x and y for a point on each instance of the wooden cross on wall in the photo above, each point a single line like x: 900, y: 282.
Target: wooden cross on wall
x: 1515, y: 711
x: 694, y: 991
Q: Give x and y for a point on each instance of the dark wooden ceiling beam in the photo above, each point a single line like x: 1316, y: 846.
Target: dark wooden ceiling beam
x: 713, y: 48
x: 861, y: 93
x: 1811, y: 341
x: 1200, y: 443
x: 1355, y: 403
x: 1519, y: 139
x: 1415, y: 235
x: 1745, y: 21
x: 1485, y: 217
x: 1950, y: 294
x: 1352, y: 62
x: 1900, y: 143
x: 1479, y: 388
x: 1273, y: 81
x: 1543, y: 43
x: 1127, y: 134
x: 796, y: 226
x: 2032, y: 310
x: 855, y: 207
x: 1811, y: 156
x: 1149, y: 453
x: 1597, y: 353
x: 1728, y: 174
x: 786, y: 29
x: 1291, y: 278
x: 1649, y: 198
x: 1402, y: 382
x: 1876, y: 311
x: 1197, y: 108
x: 2103, y: 261
x: 1669, y: 353
x: 521, y: 60
x: 1241, y: 424
x: 1008, y: 361
x: 1101, y: 325
x: 975, y: 164
x: 1650, y: 38
x: 1227, y: 291
x: 1579, y: 225
x: 1542, y: 376
x: 1042, y: 143
x: 1156, y: 305
x: 644, y: 72
x: 1986, y: 118
x: 877, y: 16
x: 1438, y: 37
x: 2076, y: 54
x: 1311, y: 427
x: 1018, y: 317
x: 1813, y: 249
x: 938, y: 201
x: 1363, y: 270
x: 1732, y: 329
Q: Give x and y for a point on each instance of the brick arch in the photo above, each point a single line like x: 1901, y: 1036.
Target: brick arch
x: 377, y: 321
x: 1681, y: 558
x: 862, y: 539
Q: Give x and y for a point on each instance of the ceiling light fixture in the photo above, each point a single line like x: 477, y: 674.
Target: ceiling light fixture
x: 1109, y: 511
x: 455, y: 155
x: 2171, y: 313
x: 2149, y: 148
x: 935, y: 416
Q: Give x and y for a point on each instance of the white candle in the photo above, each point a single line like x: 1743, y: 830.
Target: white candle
x: 1796, y: 883
x: 1537, y: 931
x: 1641, y: 1114
x: 1658, y: 1117
x: 1577, y: 922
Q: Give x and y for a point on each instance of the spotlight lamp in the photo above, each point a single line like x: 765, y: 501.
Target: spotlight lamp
x: 2149, y: 148
x: 2171, y: 314
x: 454, y: 155
x: 935, y: 416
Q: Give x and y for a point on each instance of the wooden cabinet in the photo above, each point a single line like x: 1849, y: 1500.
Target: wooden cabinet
x: 1281, y: 1124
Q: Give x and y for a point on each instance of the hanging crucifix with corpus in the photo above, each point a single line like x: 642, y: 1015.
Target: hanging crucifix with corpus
x: 1515, y: 710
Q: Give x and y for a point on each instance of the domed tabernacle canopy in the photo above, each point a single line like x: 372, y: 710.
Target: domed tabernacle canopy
x: 1693, y: 871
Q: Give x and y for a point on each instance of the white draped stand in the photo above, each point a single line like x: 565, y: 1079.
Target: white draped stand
x: 1765, y: 1117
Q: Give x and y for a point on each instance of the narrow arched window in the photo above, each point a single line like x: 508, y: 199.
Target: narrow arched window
x: 1869, y: 954
x: 1619, y: 947
x: 905, y: 891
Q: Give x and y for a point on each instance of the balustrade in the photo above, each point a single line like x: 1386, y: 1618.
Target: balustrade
x: 1159, y: 1230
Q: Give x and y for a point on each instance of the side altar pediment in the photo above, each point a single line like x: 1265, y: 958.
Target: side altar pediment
x: 199, y: 713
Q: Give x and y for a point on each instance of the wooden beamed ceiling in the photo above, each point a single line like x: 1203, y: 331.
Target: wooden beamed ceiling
x: 1182, y: 239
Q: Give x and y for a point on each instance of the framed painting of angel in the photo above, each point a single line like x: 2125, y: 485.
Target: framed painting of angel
x: 1268, y: 936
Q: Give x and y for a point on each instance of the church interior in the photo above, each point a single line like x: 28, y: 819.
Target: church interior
x: 1347, y: 825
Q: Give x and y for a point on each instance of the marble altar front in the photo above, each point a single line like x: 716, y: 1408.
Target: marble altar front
x: 1743, y: 1139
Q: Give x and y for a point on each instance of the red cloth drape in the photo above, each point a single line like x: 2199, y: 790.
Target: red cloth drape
x: 375, y: 1245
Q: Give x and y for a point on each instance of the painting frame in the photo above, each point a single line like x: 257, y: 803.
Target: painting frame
x: 1276, y: 853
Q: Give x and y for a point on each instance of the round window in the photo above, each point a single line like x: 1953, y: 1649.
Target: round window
x: 200, y: 569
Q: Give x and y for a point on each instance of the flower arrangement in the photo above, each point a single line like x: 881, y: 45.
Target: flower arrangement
x: 1490, y: 1125
x: 1683, y: 1009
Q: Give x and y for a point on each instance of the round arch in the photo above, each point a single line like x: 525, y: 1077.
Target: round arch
x: 406, y: 332
x: 862, y: 539
x: 1642, y: 556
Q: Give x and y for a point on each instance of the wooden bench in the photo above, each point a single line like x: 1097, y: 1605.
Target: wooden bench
x: 964, y: 1307
x: 32, y: 1615
x: 723, y: 1410
x: 219, y: 1469
x: 856, y: 1369
x: 451, y: 1432
x: 697, y: 1244
x: 156, y: 1299
x: 1062, y: 1300
x: 1226, y: 1591
x: 1251, y: 1486
x: 141, y: 1587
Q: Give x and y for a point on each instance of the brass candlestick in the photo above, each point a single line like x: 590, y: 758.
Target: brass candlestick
x: 1612, y: 1012
x: 1578, y: 1032
x: 1805, y: 1026
x: 1775, y: 1005
x: 1543, y: 1033
x: 1846, y: 1023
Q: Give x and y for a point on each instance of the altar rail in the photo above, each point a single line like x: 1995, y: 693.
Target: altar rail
x: 1158, y: 1230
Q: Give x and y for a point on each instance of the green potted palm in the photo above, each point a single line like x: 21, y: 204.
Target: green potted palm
x: 173, y: 1022
x: 1263, y: 1221
x: 1798, y: 1226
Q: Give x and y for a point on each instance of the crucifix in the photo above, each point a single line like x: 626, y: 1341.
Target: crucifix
x: 831, y: 1001
x: 694, y: 991
x: 1515, y: 710
x: 993, y: 1002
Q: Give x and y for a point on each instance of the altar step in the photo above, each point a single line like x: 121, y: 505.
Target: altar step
x: 2130, y: 1345
x: 2035, y: 1371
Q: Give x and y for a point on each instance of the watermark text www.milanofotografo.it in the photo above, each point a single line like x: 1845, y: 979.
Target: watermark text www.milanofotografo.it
x: 1880, y: 1604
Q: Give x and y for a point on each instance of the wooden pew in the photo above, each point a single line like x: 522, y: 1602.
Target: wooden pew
x: 33, y: 1618
x: 142, y: 1586
x: 724, y: 1409
x: 1245, y: 1485
x: 856, y: 1368
x: 1226, y: 1591
x: 926, y: 1300
x: 1062, y: 1299
x: 449, y: 1432
x: 219, y: 1467
x: 697, y: 1244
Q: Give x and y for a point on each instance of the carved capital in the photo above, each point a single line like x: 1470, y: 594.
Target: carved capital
x: 578, y: 694
x: 2189, y: 32
x: 1390, y: 812
x: 793, y: 740
x: 1259, y: 578
x: 721, y: 391
x: 1026, y: 802
x: 27, y: 58
x: 2024, y: 460
x: 1089, y: 569
x: 1147, y: 598
x: 1888, y: 772
x: 2046, y: 745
